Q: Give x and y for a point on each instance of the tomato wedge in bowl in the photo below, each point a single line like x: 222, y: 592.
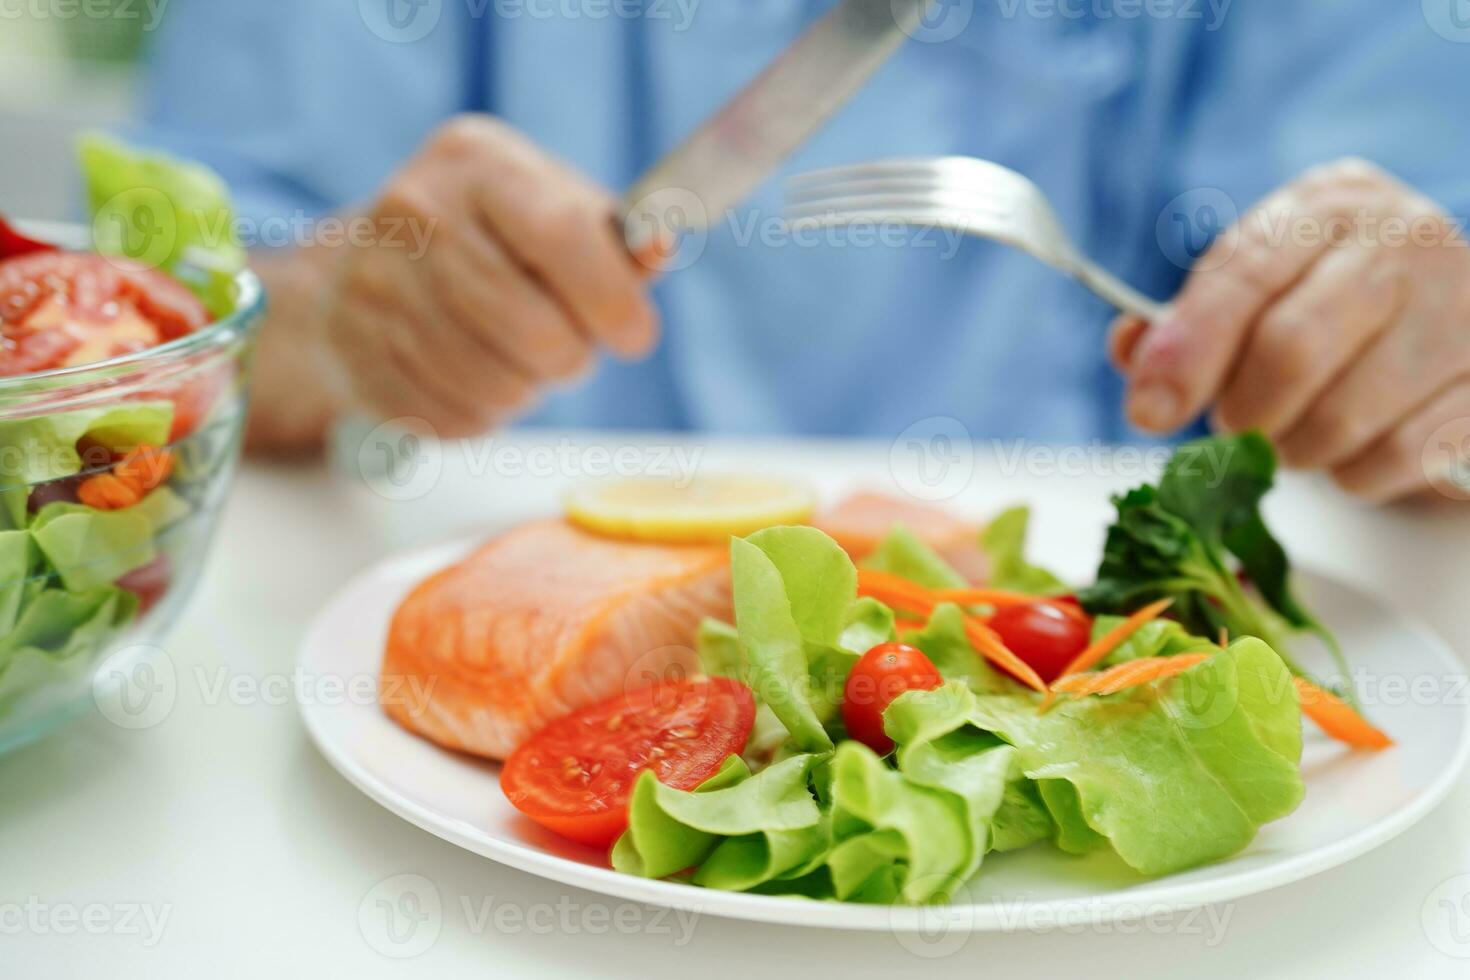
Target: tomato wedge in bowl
x: 575, y: 776
x: 61, y: 309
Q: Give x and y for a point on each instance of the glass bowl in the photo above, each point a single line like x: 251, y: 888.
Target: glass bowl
x: 93, y: 572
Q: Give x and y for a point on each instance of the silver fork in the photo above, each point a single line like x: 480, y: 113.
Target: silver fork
x: 975, y: 197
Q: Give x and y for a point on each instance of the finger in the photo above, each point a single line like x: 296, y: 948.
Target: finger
x: 357, y: 332
x: 1308, y: 336
x: 1181, y: 361
x: 409, y: 371
x: 1123, y: 337
x: 490, y: 388
x: 385, y: 383
x: 1416, y: 456
x: 465, y: 386
x: 429, y: 395
x: 498, y: 305
x: 561, y: 227
x: 1420, y: 353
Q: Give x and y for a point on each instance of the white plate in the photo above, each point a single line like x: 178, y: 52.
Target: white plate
x: 1355, y: 801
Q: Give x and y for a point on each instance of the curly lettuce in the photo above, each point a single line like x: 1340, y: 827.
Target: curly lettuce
x: 1167, y: 775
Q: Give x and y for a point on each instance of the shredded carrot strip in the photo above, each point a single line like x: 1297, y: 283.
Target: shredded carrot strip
x: 1338, y: 718
x: 871, y: 581
x: 144, y: 468
x: 1005, y: 599
x: 998, y: 598
x: 1130, y: 674
x: 906, y: 596
x: 984, y: 639
x: 1114, y: 638
x: 129, y: 481
x: 106, y: 492
x: 901, y: 594
x: 901, y: 603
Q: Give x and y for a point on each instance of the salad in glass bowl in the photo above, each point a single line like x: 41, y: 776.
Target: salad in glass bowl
x: 124, y: 350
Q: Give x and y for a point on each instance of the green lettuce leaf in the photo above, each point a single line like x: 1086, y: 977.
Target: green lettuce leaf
x: 1156, y: 638
x: 718, y: 647
x: 18, y: 557
x: 941, y: 751
x: 1172, y: 775
x: 923, y: 834
x: 753, y: 860
x: 794, y: 588
x: 33, y: 450
x: 944, y: 642
x: 1004, y: 543
x: 57, y: 639
x: 901, y: 553
x: 64, y: 624
x: 656, y: 844
x: 1071, y: 832
x: 93, y: 548
x: 740, y: 830
x: 818, y: 578
x: 1022, y: 818
x: 869, y: 623
x: 166, y: 213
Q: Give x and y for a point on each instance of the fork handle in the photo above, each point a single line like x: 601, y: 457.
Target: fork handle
x: 1115, y: 291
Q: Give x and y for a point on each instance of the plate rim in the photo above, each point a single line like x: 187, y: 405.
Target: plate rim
x: 1156, y: 896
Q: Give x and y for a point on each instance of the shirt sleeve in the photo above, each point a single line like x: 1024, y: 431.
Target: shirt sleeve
x: 1281, y: 87
x: 304, y: 107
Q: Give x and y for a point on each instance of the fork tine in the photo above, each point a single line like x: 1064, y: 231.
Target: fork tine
x: 920, y: 189
x: 842, y: 210
x: 860, y: 184
x: 851, y: 171
x: 956, y: 199
x: 946, y: 168
x: 977, y: 197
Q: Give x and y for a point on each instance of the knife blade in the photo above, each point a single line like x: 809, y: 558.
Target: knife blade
x: 723, y: 160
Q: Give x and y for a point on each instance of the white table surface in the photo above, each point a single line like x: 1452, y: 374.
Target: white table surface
x: 216, y: 842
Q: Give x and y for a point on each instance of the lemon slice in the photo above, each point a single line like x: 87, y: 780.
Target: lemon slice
x: 706, y: 509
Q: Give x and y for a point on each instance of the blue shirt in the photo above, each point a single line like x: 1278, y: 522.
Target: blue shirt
x: 1149, y: 133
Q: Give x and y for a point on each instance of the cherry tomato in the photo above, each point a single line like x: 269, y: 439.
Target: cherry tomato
x: 1046, y: 635
x: 880, y: 676
x: 575, y: 776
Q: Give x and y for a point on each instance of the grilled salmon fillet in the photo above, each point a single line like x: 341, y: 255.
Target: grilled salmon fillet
x: 538, y: 622
x: 859, y: 522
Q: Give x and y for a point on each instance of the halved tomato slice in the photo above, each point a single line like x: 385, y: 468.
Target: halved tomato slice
x: 61, y: 309
x: 103, y: 306
x: 575, y: 776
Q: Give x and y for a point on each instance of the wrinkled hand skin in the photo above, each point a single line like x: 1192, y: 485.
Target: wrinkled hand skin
x: 522, y: 280
x: 1346, y: 342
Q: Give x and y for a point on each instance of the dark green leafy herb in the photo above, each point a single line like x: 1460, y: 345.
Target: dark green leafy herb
x: 1187, y: 537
